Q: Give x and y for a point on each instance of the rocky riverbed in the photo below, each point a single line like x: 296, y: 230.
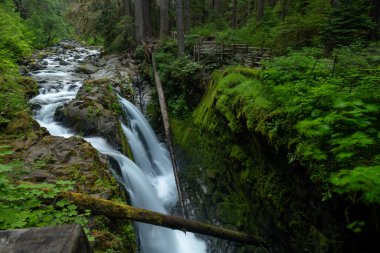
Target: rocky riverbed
x: 50, y: 158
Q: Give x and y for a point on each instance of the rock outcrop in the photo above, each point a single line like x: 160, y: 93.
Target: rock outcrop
x: 94, y: 112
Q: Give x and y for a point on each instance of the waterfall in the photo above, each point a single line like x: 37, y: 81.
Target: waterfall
x: 150, y: 182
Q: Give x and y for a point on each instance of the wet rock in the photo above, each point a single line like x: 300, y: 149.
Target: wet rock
x: 64, y: 63
x: 63, y: 238
x: 35, y: 66
x: 56, y: 158
x: 72, y: 87
x: 45, y: 63
x: 68, y: 45
x: 93, y: 112
x: 86, y: 68
x: 30, y: 87
x: 24, y: 71
x: 100, y: 63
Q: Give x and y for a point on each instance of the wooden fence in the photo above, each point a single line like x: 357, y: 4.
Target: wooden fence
x: 242, y: 53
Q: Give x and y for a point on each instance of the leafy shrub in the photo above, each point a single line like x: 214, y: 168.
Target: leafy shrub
x: 26, y: 204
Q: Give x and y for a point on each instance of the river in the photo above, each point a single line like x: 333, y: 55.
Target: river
x: 149, y: 179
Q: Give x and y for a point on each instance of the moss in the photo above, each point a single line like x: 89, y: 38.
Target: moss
x: 126, y: 149
x: 236, y: 142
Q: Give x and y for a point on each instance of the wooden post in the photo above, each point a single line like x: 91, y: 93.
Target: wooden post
x: 165, y: 119
x: 115, y: 210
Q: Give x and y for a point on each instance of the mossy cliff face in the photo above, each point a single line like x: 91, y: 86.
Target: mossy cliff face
x: 247, y: 168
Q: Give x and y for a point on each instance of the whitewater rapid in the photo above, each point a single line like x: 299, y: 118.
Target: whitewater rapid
x: 149, y: 180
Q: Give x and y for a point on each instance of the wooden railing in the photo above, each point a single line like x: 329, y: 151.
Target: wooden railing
x: 242, y: 53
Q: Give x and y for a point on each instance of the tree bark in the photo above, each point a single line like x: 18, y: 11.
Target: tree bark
x: 219, y: 8
x: 164, y: 18
x: 260, y: 10
x: 165, y: 119
x: 284, y: 8
x: 147, y: 20
x: 180, y: 31
x: 234, y: 14
x: 115, y: 210
x: 375, y: 15
x: 139, y: 21
x: 143, y: 27
x: 187, y: 15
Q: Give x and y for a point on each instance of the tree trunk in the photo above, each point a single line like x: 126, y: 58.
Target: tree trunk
x: 234, y: 14
x: 375, y: 15
x: 115, y: 210
x: 180, y: 31
x: 187, y: 15
x: 334, y: 3
x: 147, y: 19
x: 284, y: 8
x: 165, y: 119
x: 164, y: 18
x: 139, y: 21
x: 260, y: 10
x: 219, y: 8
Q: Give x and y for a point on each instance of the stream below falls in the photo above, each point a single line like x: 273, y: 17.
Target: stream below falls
x: 149, y: 180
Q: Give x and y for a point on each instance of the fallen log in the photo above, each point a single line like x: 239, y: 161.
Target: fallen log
x: 115, y: 210
x: 165, y: 119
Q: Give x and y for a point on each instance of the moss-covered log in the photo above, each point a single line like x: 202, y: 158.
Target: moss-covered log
x: 165, y: 119
x: 121, y: 211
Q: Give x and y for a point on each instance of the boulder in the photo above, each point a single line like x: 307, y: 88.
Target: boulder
x: 64, y: 63
x: 94, y: 112
x: 86, y: 68
x: 63, y: 238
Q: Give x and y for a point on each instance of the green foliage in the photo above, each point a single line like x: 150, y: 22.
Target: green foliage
x: 102, y: 22
x: 325, y: 120
x: 361, y: 179
x: 25, y: 204
x: 15, y: 39
x: 348, y: 23
x: 293, y: 24
x: 181, y: 78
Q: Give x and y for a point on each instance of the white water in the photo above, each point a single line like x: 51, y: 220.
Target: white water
x: 150, y: 183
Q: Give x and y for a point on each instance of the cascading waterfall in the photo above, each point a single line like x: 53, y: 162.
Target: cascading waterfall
x: 150, y: 183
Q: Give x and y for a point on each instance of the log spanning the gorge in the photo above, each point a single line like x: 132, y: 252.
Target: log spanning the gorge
x: 165, y: 119
x: 115, y: 210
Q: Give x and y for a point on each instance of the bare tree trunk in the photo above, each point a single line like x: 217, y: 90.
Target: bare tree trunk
x: 165, y: 119
x: 164, y: 18
x: 187, y: 15
x: 260, y: 10
x: 219, y: 8
x: 284, y: 8
x: 147, y: 19
x: 115, y: 210
x: 375, y: 15
x: 180, y: 31
x: 234, y: 14
x: 139, y: 21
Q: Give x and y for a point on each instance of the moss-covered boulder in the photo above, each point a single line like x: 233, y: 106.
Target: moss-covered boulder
x: 94, y: 112
x: 50, y: 158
